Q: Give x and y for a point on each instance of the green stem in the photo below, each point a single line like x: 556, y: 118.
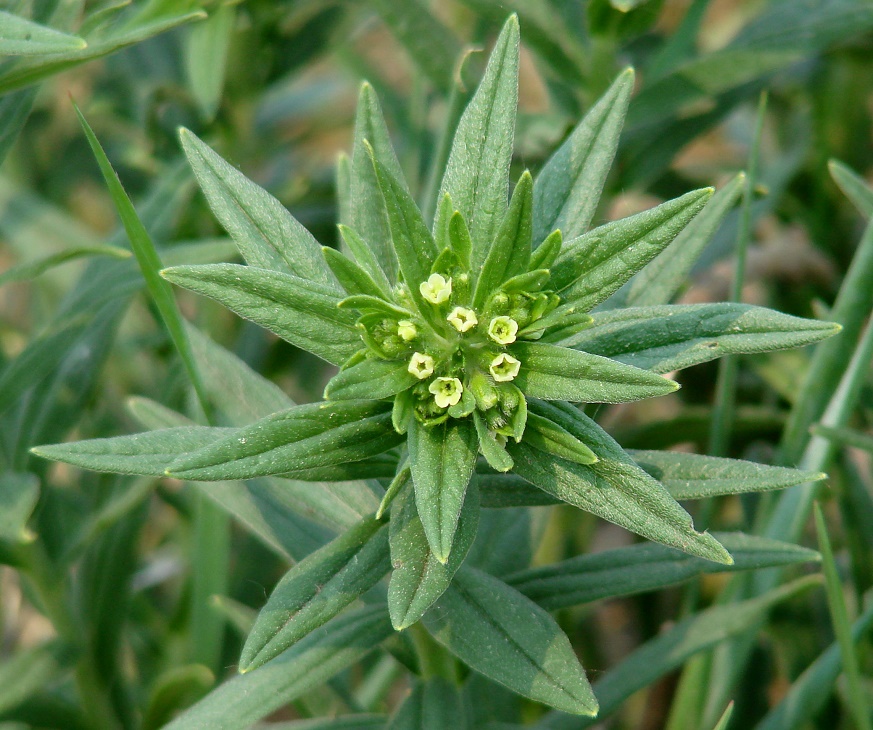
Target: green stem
x: 433, y: 660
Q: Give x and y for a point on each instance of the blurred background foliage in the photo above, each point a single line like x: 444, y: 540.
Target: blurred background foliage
x: 272, y: 85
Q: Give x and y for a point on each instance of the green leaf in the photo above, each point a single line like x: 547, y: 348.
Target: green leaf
x: 30, y: 670
x: 671, y: 649
x: 593, y: 266
x: 317, y: 589
x: 546, y: 435
x: 367, y: 215
x: 459, y: 236
x: 419, y: 578
x: 854, y: 186
x: 148, y: 453
x: 725, y: 719
x: 477, y: 173
x: 236, y: 704
x: 508, y: 638
x: 646, y: 567
x: 353, y: 278
x: 18, y: 495
x: 442, y: 459
x: 613, y: 488
x: 206, y: 53
x: 267, y: 235
x: 370, y: 379
x: 493, y: 451
x: 694, y: 476
x: 314, y: 435
x: 545, y: 254
x: 569, y: 186
x: 556, y: 373
x: 174, y: 690
x: 32, y: 269
x: 14, y: 111
x: 300, y: 311
x: 20, y: 37
x: 509, y: 252
x: 434, y: 703
x: 365, y: 257
x: 658, y: 282
x: 672, y: 337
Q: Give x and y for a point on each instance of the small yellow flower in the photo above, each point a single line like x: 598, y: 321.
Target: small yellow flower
x: 503, y: 330
x: 463, y: 319
x: 446, y: 391
x: 421, y: 365
x: 406, y: 330
x: 436, y: 289
x: 504, y: 367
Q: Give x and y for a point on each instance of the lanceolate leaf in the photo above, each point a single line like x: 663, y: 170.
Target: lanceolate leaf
x: 593, y: 266
x: 18, y: 495
x: 442, y: 458
x: 236, y: 704
x: 434, y: 703
x: 419, y: 578
x: 694, y: 476
x: 315, y: 435
x: 354, y: 279
x: 613, y: 488
x: 546, y: 435
x: 267, y: 235
x: 370, y: 379
x: 645, y: 567
x: 508, y: 638
x: 556, y: 373
x: 568, y: 188
x: 148, y: 453
x: 317, y: 589
x: 20, y: 37
x: 477, y: 174
x: 854, y: 186
x: 300, y: 311
x: 672, y: 337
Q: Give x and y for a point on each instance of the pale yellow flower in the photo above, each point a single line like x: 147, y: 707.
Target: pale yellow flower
x: 436, y: 289
x: 420, y: 365
x: 463, y: 319
x: 504, y: 367
x: 406, y: 330
x: 446, y: 391
x: 503, y: 330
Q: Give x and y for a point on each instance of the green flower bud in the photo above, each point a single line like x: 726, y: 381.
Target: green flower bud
x: 483, y: 391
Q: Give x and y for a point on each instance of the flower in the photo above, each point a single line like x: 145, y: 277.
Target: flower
x: 446, y: 391
x: 463, y: 319
x: 503, y: 330
x: 420, y: 365
x: 504, y: 367
x: 436, y: 289
x: 406, y: 329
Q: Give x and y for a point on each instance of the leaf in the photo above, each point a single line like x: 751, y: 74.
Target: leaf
x: 352, y: 277
x: 434, y: 703
x: 694, y: 476
x: 854, y: 186
x: 493, y: 451
x: 236, y: 704
x: 371, y: 378
x: 556, y: 373
x: 442, y: 458
x: 205, y: 56
x: 596, y: 264
x: 659, y: 281
x: 317, y: 589
x: 509, y: 253
x: 30, y: 670
x: 568, y: 188
x: 547, y: 436
x: 672, y: 337
x: 267, y: 235
x: 32, y: 269
x: 20, y: 37
x: 418, y: 578
x: 508, y: 638
x: 14, y: 111
x: 148, y: 453
x: 477, y: 172
x: 19, y: 493
x: 368, y: 216
x: 613, y: 488
x: 174, y: 690
x: 300, y: 311
x: 645, y: 567
x: 303, y: 437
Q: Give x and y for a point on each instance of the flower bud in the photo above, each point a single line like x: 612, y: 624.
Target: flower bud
x: 406, y: 329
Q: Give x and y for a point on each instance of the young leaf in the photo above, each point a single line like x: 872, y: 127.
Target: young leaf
x: 300, y: 311
x: 419, y: 578
x: 646, y: 567
x: 267, y: 235
x: 20, y: 37
x: 508, y: 638
x: 546, y: 435
x: 434, y: 703
x: 613, y: 488
x: 370, y: 379
x: 593, y: 266
x: 459, y: 237
x: 493, y: 451
x: 545, y: 254
x: 314, y: 435
x: 694, y: 476
x: 353, y: 278
x: 442, y: 458
x: 317, y: 589
x: 556, y: 373
x: 672, y: 337
x: 365, y: 257
x: 568, y: 188
x: 477, y: 173
x: 854, y: 186
x: 509, y: 253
